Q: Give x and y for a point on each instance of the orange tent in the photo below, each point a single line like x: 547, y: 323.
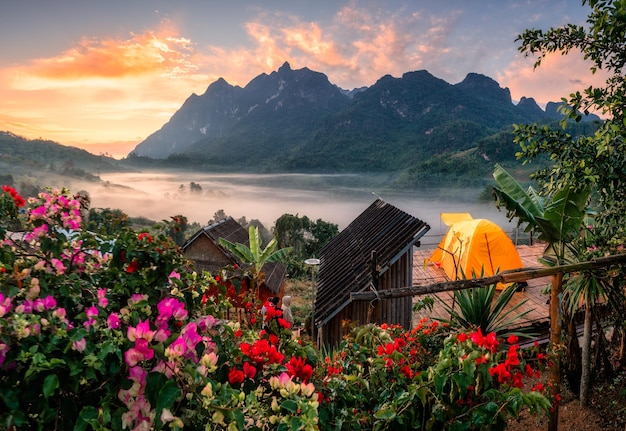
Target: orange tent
x: 473, y: 247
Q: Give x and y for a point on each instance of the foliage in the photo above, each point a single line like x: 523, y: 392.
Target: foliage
x: 480, y: 308
x: 386, y: 378
x: 111, y: 332
x: 254, y: 255
x: 107, y: 221
x: 558, y: 218
x: 597, y: 160
x: 305, y: 237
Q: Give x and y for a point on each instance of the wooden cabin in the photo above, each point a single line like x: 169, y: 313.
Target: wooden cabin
x: 374, y: 252
x: 204, y: 250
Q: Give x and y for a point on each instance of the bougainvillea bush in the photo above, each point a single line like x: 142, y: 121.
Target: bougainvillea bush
x: 119, y: 332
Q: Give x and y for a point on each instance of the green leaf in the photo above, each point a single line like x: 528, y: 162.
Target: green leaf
x: 50, y: 385
x: 87, y: 416
x: 289, y: 405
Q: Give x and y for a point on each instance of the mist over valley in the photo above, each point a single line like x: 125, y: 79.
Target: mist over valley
x: 333, y: 198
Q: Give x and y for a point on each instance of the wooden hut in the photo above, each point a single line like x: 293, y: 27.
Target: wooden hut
x: 374, y: 252
x: 204, y: 250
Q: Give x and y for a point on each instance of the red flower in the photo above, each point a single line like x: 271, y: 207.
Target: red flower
x: 283, y: 323
x: 406, y: 370
x: 236, y: 376
x: 481, y: 360
x: 297, y: 367
x: 538, y: 387
x: 517, y: 380
x: 19, y: 200
x: 512, y: 339
x: 249, y: 370
x: 133, y: 266
x: 462, y: 337
x: 512, y: 360
x: 528, y: 370
x: 144, y: 235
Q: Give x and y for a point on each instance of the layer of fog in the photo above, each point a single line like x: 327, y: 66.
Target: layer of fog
x: 333, y: 198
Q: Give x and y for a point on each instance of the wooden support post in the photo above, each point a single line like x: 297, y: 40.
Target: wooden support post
x: 555, y: 346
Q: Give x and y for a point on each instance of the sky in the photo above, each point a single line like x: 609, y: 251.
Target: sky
x: 104, y: 75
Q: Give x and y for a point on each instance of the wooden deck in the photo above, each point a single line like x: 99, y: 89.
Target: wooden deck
x: 536, y: 303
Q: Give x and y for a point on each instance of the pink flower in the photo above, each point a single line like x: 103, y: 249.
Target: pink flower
x: 177, y: 349
x: 102, y: 298
x: 113, y: 321
x: 172, y: 275
x: 5, y: 305
x: 59, y: 313
x: 91, y: 311
x: 141, y: 331
x: 79, y: 345
x: 4, y: 348
x: 58, y: 265
x: 49, y: 302
x: 140, y: 352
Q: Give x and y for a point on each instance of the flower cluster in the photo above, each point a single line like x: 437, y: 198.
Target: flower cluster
x: 17, y: 198
x: 402, y: 383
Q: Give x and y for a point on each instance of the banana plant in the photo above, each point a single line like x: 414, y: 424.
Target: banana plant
x: 557, y: 219
x: 254, y: 256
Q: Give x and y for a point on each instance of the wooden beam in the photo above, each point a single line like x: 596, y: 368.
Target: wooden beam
x: 510, y: 276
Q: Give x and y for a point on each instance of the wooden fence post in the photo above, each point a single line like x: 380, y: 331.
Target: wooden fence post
x: 555, y: 346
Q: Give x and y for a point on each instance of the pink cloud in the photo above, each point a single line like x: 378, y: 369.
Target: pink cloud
x: 548, y: 82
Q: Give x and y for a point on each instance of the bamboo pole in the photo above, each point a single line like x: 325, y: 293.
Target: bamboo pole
x: 510, y: 276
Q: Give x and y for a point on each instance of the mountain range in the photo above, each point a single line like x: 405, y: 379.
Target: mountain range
x: 298, y: 121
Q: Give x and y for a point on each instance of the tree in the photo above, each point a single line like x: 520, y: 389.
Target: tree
x: 107, y: 221
x: 558, y: 219
x: 598, y: 160
x: 305, y: 237
x: 255, y: 256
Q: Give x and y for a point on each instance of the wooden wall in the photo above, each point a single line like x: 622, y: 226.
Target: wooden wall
x: 392, y: 311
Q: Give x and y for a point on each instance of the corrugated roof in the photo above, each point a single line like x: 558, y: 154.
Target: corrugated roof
x: 232, y: 231
x: 345, y: 261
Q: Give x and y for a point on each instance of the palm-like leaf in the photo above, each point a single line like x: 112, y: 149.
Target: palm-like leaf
x: 477, y: 308
x: 558, y: 220
x: 254, y: 255
x: 525, y: 205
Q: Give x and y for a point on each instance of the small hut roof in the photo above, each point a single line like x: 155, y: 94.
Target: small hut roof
x: 345, y: 262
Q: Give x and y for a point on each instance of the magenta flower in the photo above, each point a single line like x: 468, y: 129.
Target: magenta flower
x: 171, y: 307
x: 140, y: 352
x: 91, y: 311
x: 177, y: 349
x: 113, y: 321
x: 49, y: 302
x: 141, y: 331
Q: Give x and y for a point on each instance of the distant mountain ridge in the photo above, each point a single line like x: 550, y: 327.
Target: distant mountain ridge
x: 297, y: 120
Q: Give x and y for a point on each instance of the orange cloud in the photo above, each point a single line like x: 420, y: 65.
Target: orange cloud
x: 557, y: 77
x: 151, y: 52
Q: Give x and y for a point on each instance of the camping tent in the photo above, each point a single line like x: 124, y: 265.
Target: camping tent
x: 473, y: 247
